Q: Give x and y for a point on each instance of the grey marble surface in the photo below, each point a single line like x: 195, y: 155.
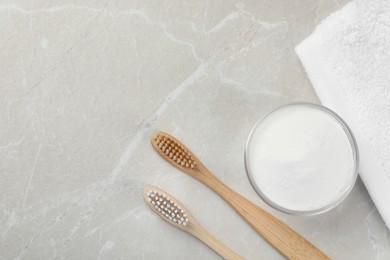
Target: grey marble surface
x: 83, y: 84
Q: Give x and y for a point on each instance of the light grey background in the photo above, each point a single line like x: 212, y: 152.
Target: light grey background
x: 83, y: 84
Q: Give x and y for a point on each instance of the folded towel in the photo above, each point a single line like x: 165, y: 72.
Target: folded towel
x: 347, y: 59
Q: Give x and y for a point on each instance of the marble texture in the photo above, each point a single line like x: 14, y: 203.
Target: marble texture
x: 83, y: 84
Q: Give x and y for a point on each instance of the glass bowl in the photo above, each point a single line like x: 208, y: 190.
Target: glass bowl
x: 348, y: 187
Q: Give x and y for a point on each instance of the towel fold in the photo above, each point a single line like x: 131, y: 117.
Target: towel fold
x: 347, y: 59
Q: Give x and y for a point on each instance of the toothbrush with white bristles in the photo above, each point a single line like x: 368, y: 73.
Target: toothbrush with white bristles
x: 172, y: 211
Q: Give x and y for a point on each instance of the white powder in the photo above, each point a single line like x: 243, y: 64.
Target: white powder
x: 301, y: 158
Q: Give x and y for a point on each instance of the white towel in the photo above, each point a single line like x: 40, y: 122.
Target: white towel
x: 347, y: 59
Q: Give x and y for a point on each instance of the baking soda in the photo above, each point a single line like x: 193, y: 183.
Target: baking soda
x: 301, y: 158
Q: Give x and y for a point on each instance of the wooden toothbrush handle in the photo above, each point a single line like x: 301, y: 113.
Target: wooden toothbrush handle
x: 279, y: 235
x: 213, y: 243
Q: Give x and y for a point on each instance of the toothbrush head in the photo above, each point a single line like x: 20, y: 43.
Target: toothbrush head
x: 173, y: 151
x: 167, y: 207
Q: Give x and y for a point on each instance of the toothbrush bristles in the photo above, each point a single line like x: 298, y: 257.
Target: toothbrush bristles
x: 174, y: 151
x: 167, y: 208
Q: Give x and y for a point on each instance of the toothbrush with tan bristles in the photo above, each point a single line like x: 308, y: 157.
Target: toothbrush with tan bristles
x: 172, y: 211
x: 288, y: 242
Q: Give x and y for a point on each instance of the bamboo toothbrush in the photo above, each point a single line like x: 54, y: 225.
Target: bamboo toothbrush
x: 279, y: 235
x: 172, y: 211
